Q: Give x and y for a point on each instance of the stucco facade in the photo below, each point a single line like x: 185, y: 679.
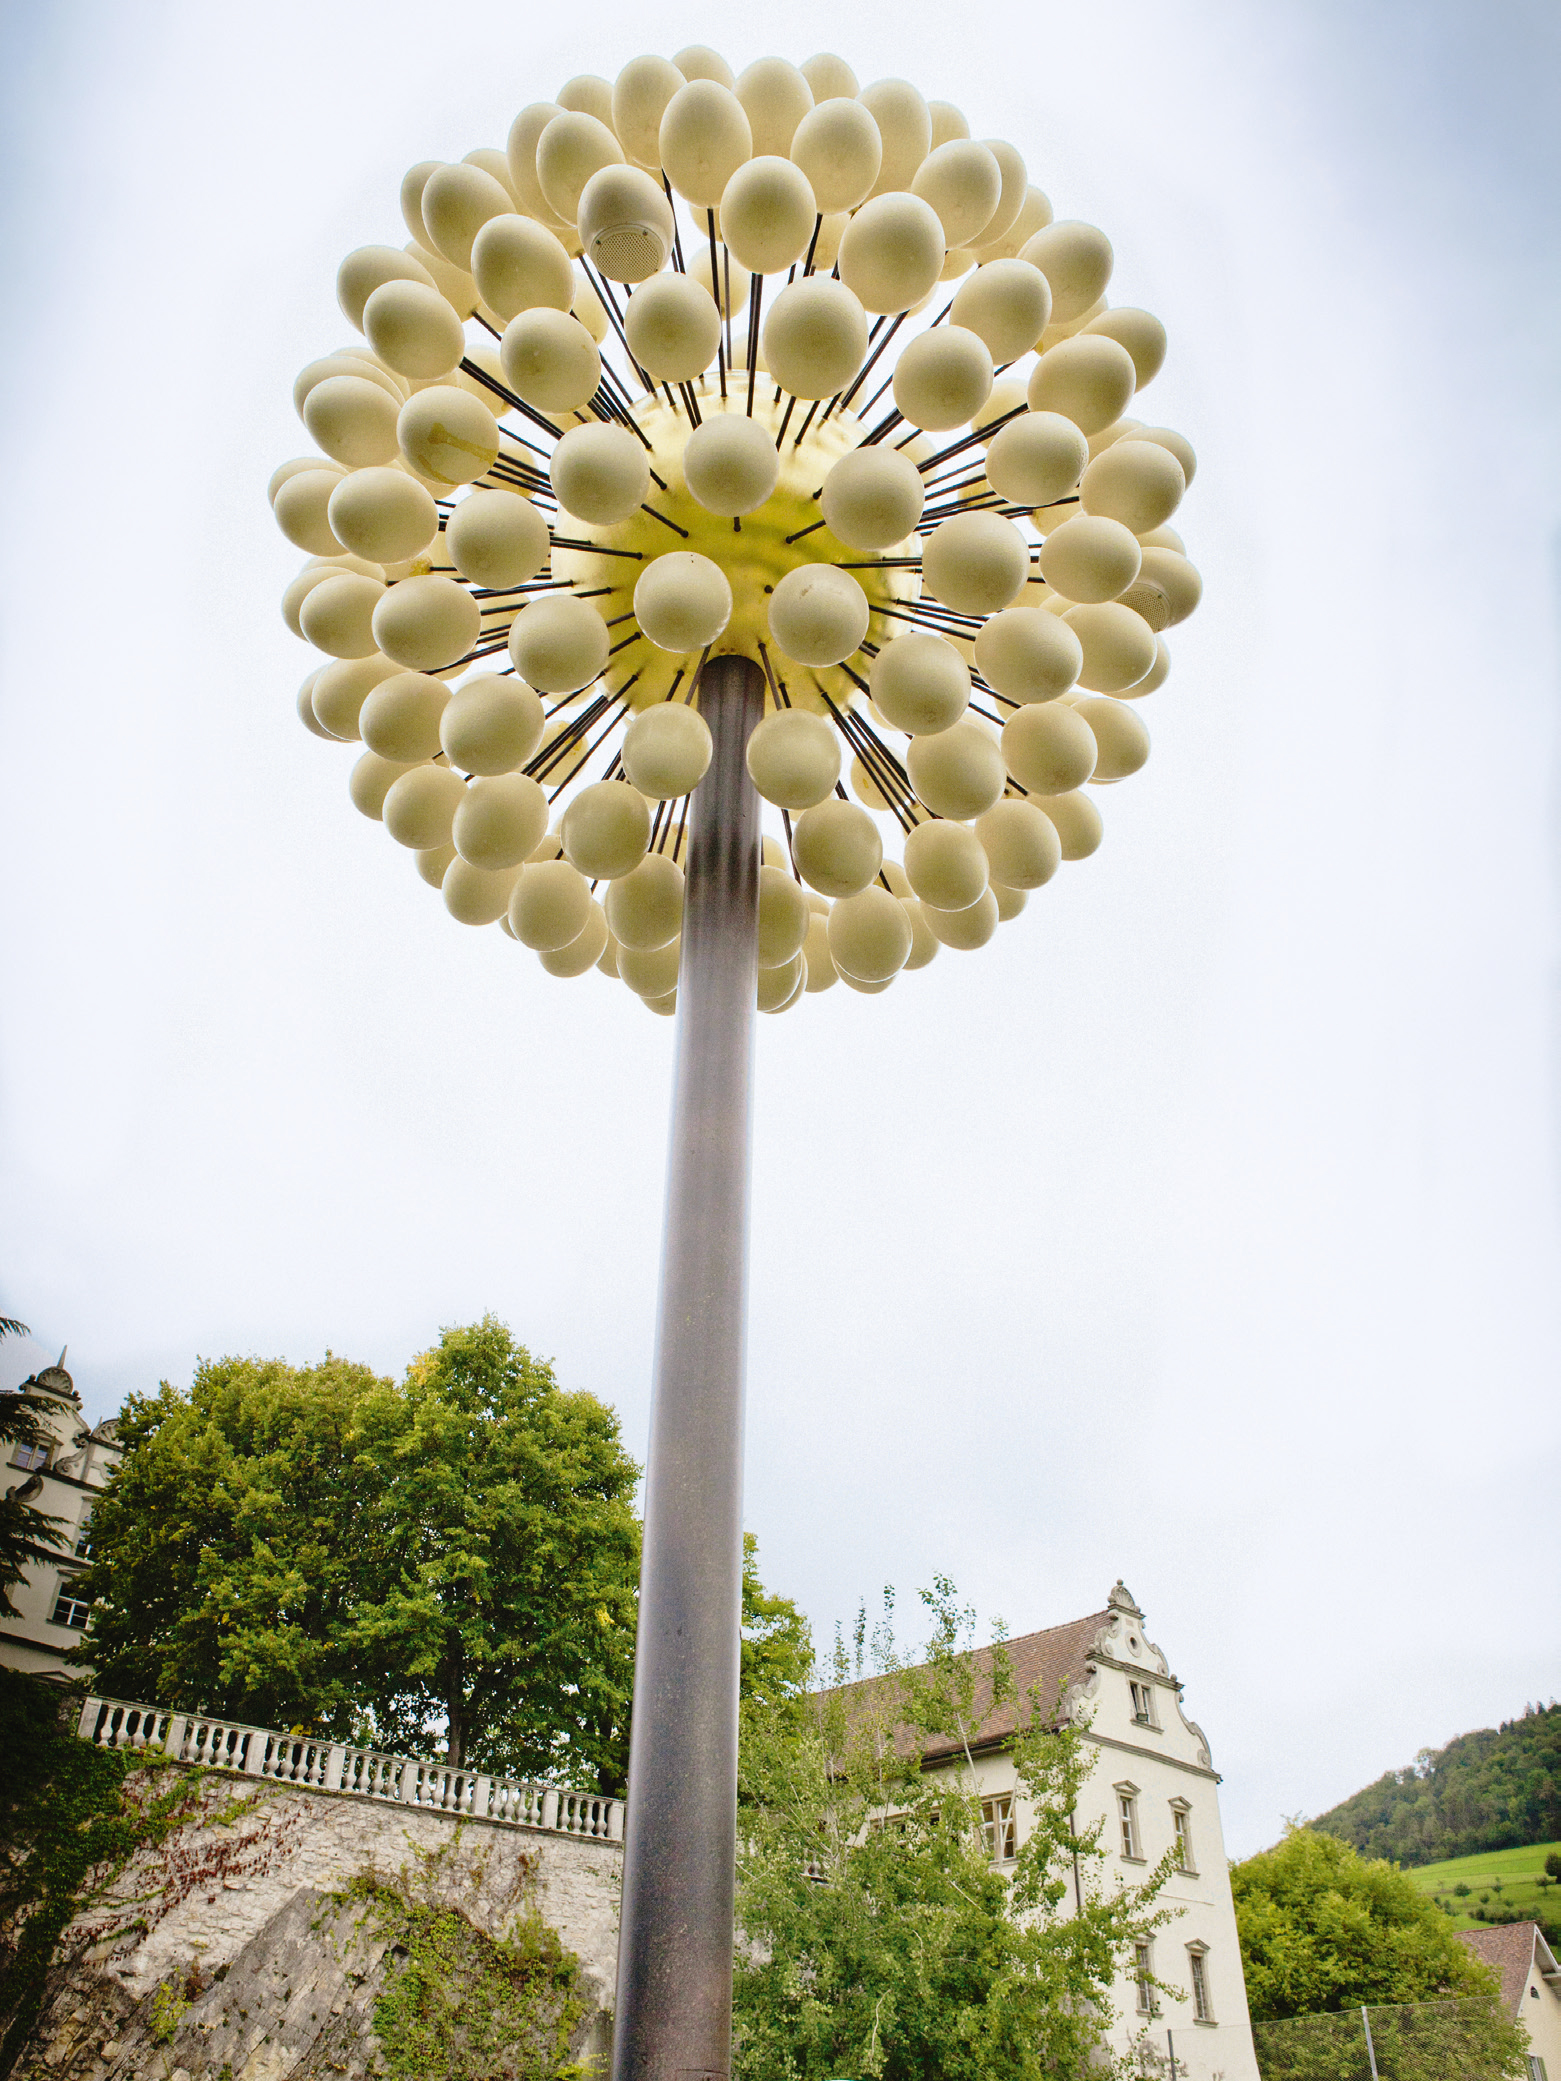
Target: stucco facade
x: 80, y: 1458
x: 1530, y: 1987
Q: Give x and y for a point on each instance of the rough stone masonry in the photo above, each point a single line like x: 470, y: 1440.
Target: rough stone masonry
x: 225, y: 1953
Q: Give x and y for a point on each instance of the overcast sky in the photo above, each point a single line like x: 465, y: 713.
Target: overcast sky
x: 1203, y: 1230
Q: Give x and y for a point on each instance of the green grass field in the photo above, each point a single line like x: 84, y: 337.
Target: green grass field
x: 1520, y: 1874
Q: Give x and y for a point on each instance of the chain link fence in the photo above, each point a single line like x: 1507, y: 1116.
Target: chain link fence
x: 1416, y: 2041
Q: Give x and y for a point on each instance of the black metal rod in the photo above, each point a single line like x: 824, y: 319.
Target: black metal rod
x: 674, y: 1998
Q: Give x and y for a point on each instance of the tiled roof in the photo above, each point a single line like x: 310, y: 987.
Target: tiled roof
x: 1046, y: 1663
x: 1509, y: 1947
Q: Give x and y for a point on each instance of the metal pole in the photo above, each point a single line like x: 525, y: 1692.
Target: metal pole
x: 674, y: 2005
x: 1371, y: 2050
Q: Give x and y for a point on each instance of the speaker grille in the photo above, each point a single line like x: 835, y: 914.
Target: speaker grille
x: 629, y: 252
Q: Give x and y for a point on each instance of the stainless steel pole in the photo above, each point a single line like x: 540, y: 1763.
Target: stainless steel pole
x: 674, y: 2005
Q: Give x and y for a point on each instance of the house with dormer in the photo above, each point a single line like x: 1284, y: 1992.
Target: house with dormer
x: 1154, y: 1787
x: 63, y: 1477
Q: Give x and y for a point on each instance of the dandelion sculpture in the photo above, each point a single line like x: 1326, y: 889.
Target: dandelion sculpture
x: 724, y: 439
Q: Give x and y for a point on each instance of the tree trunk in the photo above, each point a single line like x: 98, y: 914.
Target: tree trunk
x: 455, y: 1710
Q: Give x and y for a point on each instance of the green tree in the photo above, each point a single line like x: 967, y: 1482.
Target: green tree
x: 777, y: 1647
x: 1322, y: 1928
x: 321, y: 1547
x: 881, y: 1939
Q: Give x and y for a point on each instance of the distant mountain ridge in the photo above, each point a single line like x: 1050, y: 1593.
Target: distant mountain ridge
x: 1496, y: 1789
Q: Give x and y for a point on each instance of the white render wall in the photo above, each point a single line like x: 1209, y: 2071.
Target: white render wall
x: 1164, y: 1762
x: 79, y: 1466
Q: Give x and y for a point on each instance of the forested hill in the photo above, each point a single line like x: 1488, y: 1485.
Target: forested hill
x: 1493, y: 1790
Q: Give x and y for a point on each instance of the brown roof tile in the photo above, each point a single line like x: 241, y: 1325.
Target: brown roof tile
x: 1509, y: 1947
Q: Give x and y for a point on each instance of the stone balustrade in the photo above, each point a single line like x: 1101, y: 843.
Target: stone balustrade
x: 214, y: 1743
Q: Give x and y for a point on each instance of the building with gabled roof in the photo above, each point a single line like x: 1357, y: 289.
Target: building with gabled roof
x: 1530, y: 1987
x: 1154, y: 1785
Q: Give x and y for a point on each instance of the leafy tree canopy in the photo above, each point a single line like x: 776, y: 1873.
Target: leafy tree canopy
x: 322, y: 1547
x: 881, y: 1938
x: 1324, y: 1928
x: 1497, y: 1789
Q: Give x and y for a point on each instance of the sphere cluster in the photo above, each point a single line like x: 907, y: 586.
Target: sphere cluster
x: 768, y: 364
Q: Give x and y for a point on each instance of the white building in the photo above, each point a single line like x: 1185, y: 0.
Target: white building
x: 63, y: 1479
x: 1530, y: 1987
x: 1154, y: 1786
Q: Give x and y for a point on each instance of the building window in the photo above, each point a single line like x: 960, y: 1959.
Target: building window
x: 30, y: 1458
x: 1179, y: 1823
x: 84, y: 1533
x: 69, y: 1609
x: 998, y: 1830
x: 1143, y: 1979
x: 1127, y: 1815
x: 1201, y: 2009
x: 1143, y: 1704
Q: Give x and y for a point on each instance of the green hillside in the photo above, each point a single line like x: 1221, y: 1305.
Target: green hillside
x: 1497, y: 1789
x: 1496, y: 1886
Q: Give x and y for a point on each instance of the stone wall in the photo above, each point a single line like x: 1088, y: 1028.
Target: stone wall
x: 227, y: 1953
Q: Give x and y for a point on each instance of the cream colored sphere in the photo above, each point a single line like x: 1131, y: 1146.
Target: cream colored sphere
x: 892, y: 252
x: 942, y: 378
x: 730, y: 464
x: 338, y: 614
x: 1088, y: 379
x: 872, y: 498
x: 683, y: 601
x: 499, y: 820
x: 550, y: 360
x: 1026, y: 654
x: 920, y: 683
x: 427, y: 623
x: 1049, y: 748
x: 783, y: 917
x: 976, y: 563
x: 549, y: 905
x: 413, y: 330
x: 558, y: 646
x: 768, y: 213
x: 606, y: 829
x: 1090, y: 558
x: 1138, y: 483
x: 447, y: 434
x: 491, y: 724
x: 964, y: 930
x: 476, y: 895
x: 600, y: 474
x: 666, y: 751
x: 869, y: 935
x: 519, y: 265
x: 945, y: 864
x: 673, y: 327
x: 815, y: 337
x: 497, y: 539
x: 583, y: 953
x: 1119, y: 733
x: 1036, y: 459
x: 1007, y: 304
x: 837, y: 847
x: 705, y: 136
x: 959, y: 771
x: 839, y: 147
x: 645, y: 906
x: 1118, y: 646
x: 794, y: 758
x: 400, y: 717
x: 818, y: 615
x: 383, y: 514
x: 420, y: 807
x: 1020, y: 842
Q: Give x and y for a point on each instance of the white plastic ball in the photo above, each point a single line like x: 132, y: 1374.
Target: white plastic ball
x: 550, y: 360
x: 924, y: 942
x: 1088, y: 379
x: 491, y: 725
x: 1027, y: 654
x: 783, y: 917
x: 775, y: 97
x: 571, y: 148
x: 814, y: 337
x: 582, y: 953
x: 682, y: 600
x: 366, y: 269
x: 1138, y: 483
x: 306, y: 714
x: 600, y: 474
x: 1076, y: 821
x: 413, y: 329
x: 794, y: 758
x: 421, y: 806
x: 383, y: 514
x: 640, y: 95
x: 730, y: 464
x: 975, y: 563
x: 549, y: 905
x: 840, y: 149
x: 499, y: 820
x: 1175, y: 580
x: 520, y: 265
x: 818, y: 615
x: 432, y: 862
x: 400, y: 717
x: 829, y: 76
x: 1007, y: 302
x: 945, y: 864
x: 606, y: 829
x: 838, y: 848
x: 818, y: 964
x: 1118, y: 646
x: 705, y: 137
x: 425, y: 624
x: 673, y: 328
x: 1020, y: 843
x: 497, y: 539
x: 869, y: 936
x: 1036, y: 459
x: 1077, y: 260
x: 445, y: 433
x: 905, y: 124
x: 963, y: 183
x: 964, y: 930
x: 302, y: 506
x: 370, y: 781
x: 455, y: 203
x: 476, y: 895
x: 666, y: 751
x: 1033, y: 211
x: 957, y: 772
x: 1140, y: 332
x: 1154, y: 678
x: 942, y: 378
x: 625, y: 223
x: 558, y: 646
x: 768, y: 214
x: 338, y: 615
x: 920, y: 683
x: 1049, y: 748
x: 1120, y: 734
x: 1090, y: 558
x: 779, y: 988
x: 1010, y: 902
x: 872, y: 498
x: 520, y: 153
x: 340, y: 690
x: 589, y: 311
x: 651, y: 972
x: 645, y: 906
x: 353, y: 419
x: 1178, y: 444
x: 892, y: 252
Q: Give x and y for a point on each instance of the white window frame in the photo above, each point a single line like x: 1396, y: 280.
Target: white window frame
x: 65, y: 1593
x: 1142, y: 1697
x: 1181, y: 1836
x: 32, y: 1459
x: 1198, y: 1978
x: 1129, y: 1832
x: 1143, y: 1977
x: 1000, y: 1828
